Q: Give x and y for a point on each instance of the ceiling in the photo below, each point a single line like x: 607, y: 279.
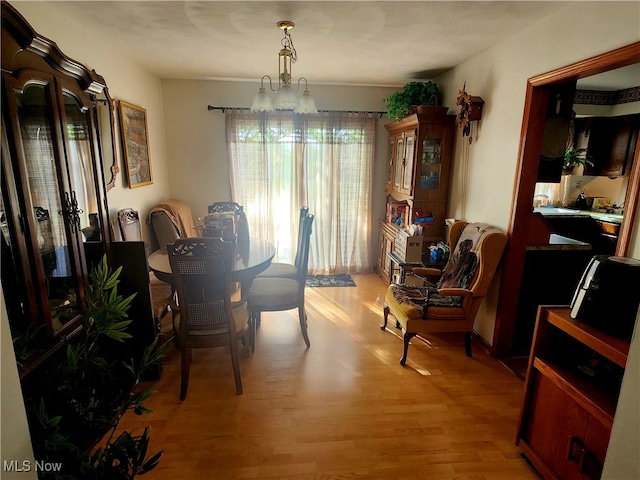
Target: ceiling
x: 359, y: 43
x: 618, y: 79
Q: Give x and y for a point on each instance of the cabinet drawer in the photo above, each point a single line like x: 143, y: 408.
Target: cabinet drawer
x: 608, y: 227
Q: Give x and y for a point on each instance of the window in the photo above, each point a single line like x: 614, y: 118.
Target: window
x: 280, y: 162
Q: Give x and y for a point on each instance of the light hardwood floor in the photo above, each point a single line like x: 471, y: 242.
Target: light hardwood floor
x: 342, y: 409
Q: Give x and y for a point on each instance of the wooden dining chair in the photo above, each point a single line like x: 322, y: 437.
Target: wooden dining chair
x: 242, y: 226
x: 289, y: 270
x: 280, y: 294
x: 161, y: 292
x: 202, y: 274
x: 224, y: 207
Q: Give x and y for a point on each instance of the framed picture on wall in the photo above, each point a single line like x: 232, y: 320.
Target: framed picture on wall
x: 135, y: 144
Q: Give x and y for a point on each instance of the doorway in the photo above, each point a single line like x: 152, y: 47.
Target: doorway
x: 520, y: 223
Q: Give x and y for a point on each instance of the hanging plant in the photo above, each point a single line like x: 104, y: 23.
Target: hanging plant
x: 470, y: 110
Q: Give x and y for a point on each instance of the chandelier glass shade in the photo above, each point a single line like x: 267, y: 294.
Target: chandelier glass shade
x: 286, y: 96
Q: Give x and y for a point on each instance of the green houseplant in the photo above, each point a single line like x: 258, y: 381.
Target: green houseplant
x: 75, y: 404
x: 576, y: 157
x: 400, y: 103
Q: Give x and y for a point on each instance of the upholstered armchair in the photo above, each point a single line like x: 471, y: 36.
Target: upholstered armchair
x: 172, y: 220
x: 450, y: 305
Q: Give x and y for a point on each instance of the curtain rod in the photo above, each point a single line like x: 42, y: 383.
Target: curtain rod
x: 211, y: 107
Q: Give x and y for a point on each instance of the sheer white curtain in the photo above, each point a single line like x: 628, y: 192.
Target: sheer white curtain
x: 280, y: 162
x: 42, y: 173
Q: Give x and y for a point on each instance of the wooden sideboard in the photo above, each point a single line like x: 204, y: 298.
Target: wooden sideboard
x: 571, y: 393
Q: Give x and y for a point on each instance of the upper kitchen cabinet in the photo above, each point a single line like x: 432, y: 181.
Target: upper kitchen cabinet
x: 610, y: 143
x: 420, y: 149
x: 557, y: 131
x: 54, y: 214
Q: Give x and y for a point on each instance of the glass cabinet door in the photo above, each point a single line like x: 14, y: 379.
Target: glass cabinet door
x: 41, y: 157
x: 18, y: 297
x: 389, y: 175
x: 431, y: 163
x: 407, y: 175
x: 82, y: 177
x: 397, y: 177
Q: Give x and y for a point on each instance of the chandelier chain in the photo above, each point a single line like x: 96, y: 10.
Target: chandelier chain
x: 287, y: 42
x: 286, y: 97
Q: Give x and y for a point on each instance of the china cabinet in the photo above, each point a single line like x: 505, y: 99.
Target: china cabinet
x: 420, y: 149
x: 571, y: 393
x: 57, y: 123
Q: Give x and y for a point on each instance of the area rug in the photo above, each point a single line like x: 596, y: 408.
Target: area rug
x: 344, y: 280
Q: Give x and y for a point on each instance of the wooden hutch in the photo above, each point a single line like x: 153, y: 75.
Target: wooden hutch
x: 418, y: 165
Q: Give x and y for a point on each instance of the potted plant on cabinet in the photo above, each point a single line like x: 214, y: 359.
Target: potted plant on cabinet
x: 413, y: 94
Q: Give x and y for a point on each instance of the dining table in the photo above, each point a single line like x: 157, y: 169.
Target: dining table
x: 253, y: 256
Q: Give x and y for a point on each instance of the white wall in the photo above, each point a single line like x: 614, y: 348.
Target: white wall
x: 499, y: 75
x: 623, y: 461
x: 15, y: 441
x: 196, y: 136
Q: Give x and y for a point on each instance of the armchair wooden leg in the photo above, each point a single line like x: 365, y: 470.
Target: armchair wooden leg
x: 467, y: 343
x: 185, y: 367
x: 386, y: 316
x: 303, y: 325
x: 407, y: 338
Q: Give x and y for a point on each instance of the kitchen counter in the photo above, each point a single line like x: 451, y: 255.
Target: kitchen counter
x: 598, y: 229
x: 559, y: 242
x: 570, y: 212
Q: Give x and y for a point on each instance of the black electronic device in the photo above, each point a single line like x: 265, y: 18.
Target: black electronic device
x: 608, y: 295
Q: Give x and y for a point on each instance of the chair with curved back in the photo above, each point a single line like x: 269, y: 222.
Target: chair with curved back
x: 202, y: 275
x: 224, y: 207
x: 241, y: 224
x: 288, y: 270
x: 452, y: 304
x: 280, y: 294
x: 161, y: 293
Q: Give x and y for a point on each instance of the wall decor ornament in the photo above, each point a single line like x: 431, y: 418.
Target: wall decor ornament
x: 135, y: 144
x: 470, y: 110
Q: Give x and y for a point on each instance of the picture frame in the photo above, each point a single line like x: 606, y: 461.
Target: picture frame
x: 135, y: 144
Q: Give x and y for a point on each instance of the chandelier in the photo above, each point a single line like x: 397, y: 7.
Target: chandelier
x: 286, y: 96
